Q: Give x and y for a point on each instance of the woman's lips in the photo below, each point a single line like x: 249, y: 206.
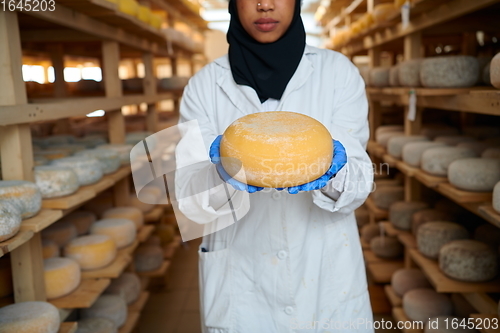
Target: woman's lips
x: 266, y: 24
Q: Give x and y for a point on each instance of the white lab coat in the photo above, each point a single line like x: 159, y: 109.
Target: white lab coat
x: 294, y: 262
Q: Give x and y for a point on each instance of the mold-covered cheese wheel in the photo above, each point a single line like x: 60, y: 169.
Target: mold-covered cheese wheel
x: 24, y: 195
x: 474, y: 174
x: 385, y: 196
x: 122, y: 231
x: 29, y: 317
x: 428, y: 215
x: 128, y: 286
x: 386, y: 247
x: 388, y: 128
x: 61, y: 232
x: 82, y: 220
x: 379, y: 77
x: 476, y: 146
x: 110, y: 307
x: 148, y: 258
x: 276, y: 149
x: 496, y: 197
x: 54, y: 181
x: 91, y: 252
x: 400, y: 213
x: 433, y: 235
x: 449, y: 72
x: 130, y: 213
x: 495, y: 71
x: 122, y: 150
x: 109, y: 159
x: 413, y: 151
x: 424, y: 303
x: 436, y: 160
x: 396, y: 144
x: 409, y: 73
x: 10, y: 220
x: 88, y: 170
x: 385, y: 136
x: 406, y: 279
x: 62, y: 276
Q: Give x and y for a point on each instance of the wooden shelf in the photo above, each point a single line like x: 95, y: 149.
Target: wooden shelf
x: 429, y: 180
x: 461, y: 196
x: 379, y: 214
x: 407, y: 169
x: 170, y: 249
x: 444, y: 284
x: 132, y: 319
x: 391, y: 160
x: 376, y: 149
x: 69, y: 327
x: 139, y: 304
x: 19, y: 239
x: 42, y: 220
x: 102, y: 185
x: 394, y: 298
x: 484, y: 317
x: 489, y: 214
x: 407, y: 239
x: 389, y: 228
x: 400, y: 316
x: 145, y: 232
x: 482, y: 302
x: 69, y: 201
x: 112, y: 271
x: 129, y: 250
x: 84, y: 296
x: 154, y: 215
x: 156, y: 273
x: 381, y: 272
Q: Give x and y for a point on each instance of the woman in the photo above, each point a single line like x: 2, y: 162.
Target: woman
x: 293, y: 262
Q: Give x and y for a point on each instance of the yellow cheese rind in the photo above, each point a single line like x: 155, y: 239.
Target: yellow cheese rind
x: 29, y: 317
x: 62, y: 276
x: 276, y: 149
x: 122, y: 231
x: 91, y: 252
x: 49, y: 249
x: 130, y: 213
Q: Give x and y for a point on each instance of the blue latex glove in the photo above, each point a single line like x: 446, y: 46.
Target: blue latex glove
x: 215, y: 158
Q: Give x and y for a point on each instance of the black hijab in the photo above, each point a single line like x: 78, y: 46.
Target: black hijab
x: 266, y: 67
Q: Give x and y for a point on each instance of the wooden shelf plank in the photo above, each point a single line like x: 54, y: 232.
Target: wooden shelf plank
x: 391, y: 160
x: 42, y: 220
x: 376, y: 149
x: 484, y: 317
x: 389, y: 228
x: 157, y: 273
x: 394, y: 298
x: 379, y: 214
x: 139, y: 304
x: 132, y: 319
x: 102, y: 185
x: 407, y: 239
x: 400, y: 316
x: 371, y: 257
x: 13, y: 243
x: 444, y: 284
x: 129, y: 250
x: 461, y: 196
x: 112, y: 271
x: 154, y: 215
x: 429, y: 180
x: 170, y: 248
x: 482, y: 302
x: 84, y: 296
x: 145, y: 232
x: 490, y: 215
x: 406, y: 169
x: 69, y: 201
x: 381, y: 272
x: 69, y: 327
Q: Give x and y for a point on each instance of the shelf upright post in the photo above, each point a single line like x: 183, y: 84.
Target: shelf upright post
x: 173, y: 63
x: 375, y: 114
x: 149, y: 83
x: 17, y: 159
x: 57, y: 58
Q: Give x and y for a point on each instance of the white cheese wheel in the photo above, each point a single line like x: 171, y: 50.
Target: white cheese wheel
x: 424, y: 303
x: 474, y: 174
x: 144, y: 207
x: 437, y: 160
x: 409, y: 73
x: 148, y: 258
x: 6, y: 286
x: 448, y: 324
x: 82, y: 220
x: 449, y: 71
x: 10, y: 220
x: 50, y: 249
x: 122, y: 231
x: 96, y: 325
x: 370, y: 231
x: 109, y: 159
x: 385, y: 196
x: 276, y: 149
x: 54, y: 181
x: 393, y: 76
x: 386, y: 247
x: 477, y: 147
x: 23, y: 195
x: 384, y: 137
x: 432, y: 236
x: 123, y: 151
x: 413, y: 151
x: 488, y: 234
x: 127, y: 286
x: 379, y: 77
x: 61, y: 232
x: 400, y: 213
x: 91, y: 252
x: 495, y: 71
x: 428, y: 215
x: 362, y: 216
x: 453, y: 140
x: 110, y: 307
x: 100, y: 204
x: 88, y: 170
x: 29, y: 317
x: 384, y: 11
x: 406, y: 279
x: 468, y: 260
x: 395, y: 144
x: 482, y: 132
x: 130, y: 213
x: 62, y: 276
x: 492, y: 152
x: 433, y: 131
x: 496, y: 197
x: 388, y: 128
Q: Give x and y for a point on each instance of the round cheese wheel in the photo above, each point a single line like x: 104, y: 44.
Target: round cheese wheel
x: 110, y: 307
x: 453, y: 140
x: 436, y: 160
x: 495, y: 71
x: 122, y: 231
x: 54, y: 181
x: 385, y: 196
x: 447, y: 324
x: 29, y: 317
x: 379, y: 77
x: 92, y: 141
x: 449, y: 71
x: 148, y: 258
x: 477, y: 147
x: 491, y: 152
x: 432, y: 236
x: 393, y: 76
x: 143, y: 206
x: 395, y: 144
x: 400, y: 213
x: 10, y: 220
x: 406, y: 279
x: 424, y: 303
x: 428, y: 215
x: 388, y: 128
x: 384, y: 137
x: 386, y: 247
x: 96, y: 325
x: 127, y: 286
x: 482, y: 132
x: 62, y: 276
x: 496, y: 197
x: 474, y: 174
x: 69, y: 149
x: 433, y: 131
x: 82, y: 220
x: 488, y: 234
x: 91, y: 252
x: 109, y: 159
x: 23, y: 195
x: 122, y: 150
x: 6, y: 286
x: 100, y: 204
x: 409, y: 73
x: 362, y: 216
x: 50, y: 249
x: 130, y: 213
x: 370, y: 231
x: 276, y: 149
x: 61, y: 232
x: 88, y: 170
x: 468, y: 260
x: 40, y: 160
x: 413, y: 151
x: 384, y: 11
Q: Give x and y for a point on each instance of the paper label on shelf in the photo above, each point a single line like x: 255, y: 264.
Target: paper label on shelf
x: 412, y: 106
x: 405, y: 15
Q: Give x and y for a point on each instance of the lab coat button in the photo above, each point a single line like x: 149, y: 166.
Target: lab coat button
x: 276, y: 195
x: 289, y: 310
x: 282, y: 254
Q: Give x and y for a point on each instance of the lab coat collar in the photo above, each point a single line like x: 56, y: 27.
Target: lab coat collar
x: 245, y: 98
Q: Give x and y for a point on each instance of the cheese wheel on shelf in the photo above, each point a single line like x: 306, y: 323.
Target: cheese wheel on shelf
x: 384, y: 11
x: 413, y: 151
x: 276, y: 149
x: 128, y: 286
x: 474, y: 174
x: 384, y: 137
x: 437, y: 160
x: 92, y: 251
x: 491, y: 152
x: 433, y: 131
x: 379, y: 77
x: 428, y: 215
x: 148, y: 258
x: 488, y: 234
x: 396, y: 144
x: 110, y: 307
x: 62, y: 276
x: 424, y: 303
x: 108, y: 159
x: 455, y: 71
x: 52, y: 154
x: 40, y: 160
x: 59, y: 139
x: 71, y: 148
x: 100, y: 204
x: 385, y: 196
x: 386, y: 247
x: 400, y: 213
x: 432, y: 236
x: 82, y: 220
x: 406, y: 279
x: 393, y: 76
x: 88, y: 170
x: 453, y: 140
x: 123, y: 151
x: 96, y: 325
x: 50, y: 249
x: 448, y: 324
x: 61, y: 232
x: 388, y: 128
x: 10, y: 220
x: 23, y: 195
x: 6, y: 286
x: 496, y: 197
x: 54, y: 181
x: 409, y: 73
x: 130, y: 213
x: 495, y: 71
x: 362, y: 216
x: 370, y: 231
x: 29, y: 317
x: 468, y: 260
x: 122, y: 231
